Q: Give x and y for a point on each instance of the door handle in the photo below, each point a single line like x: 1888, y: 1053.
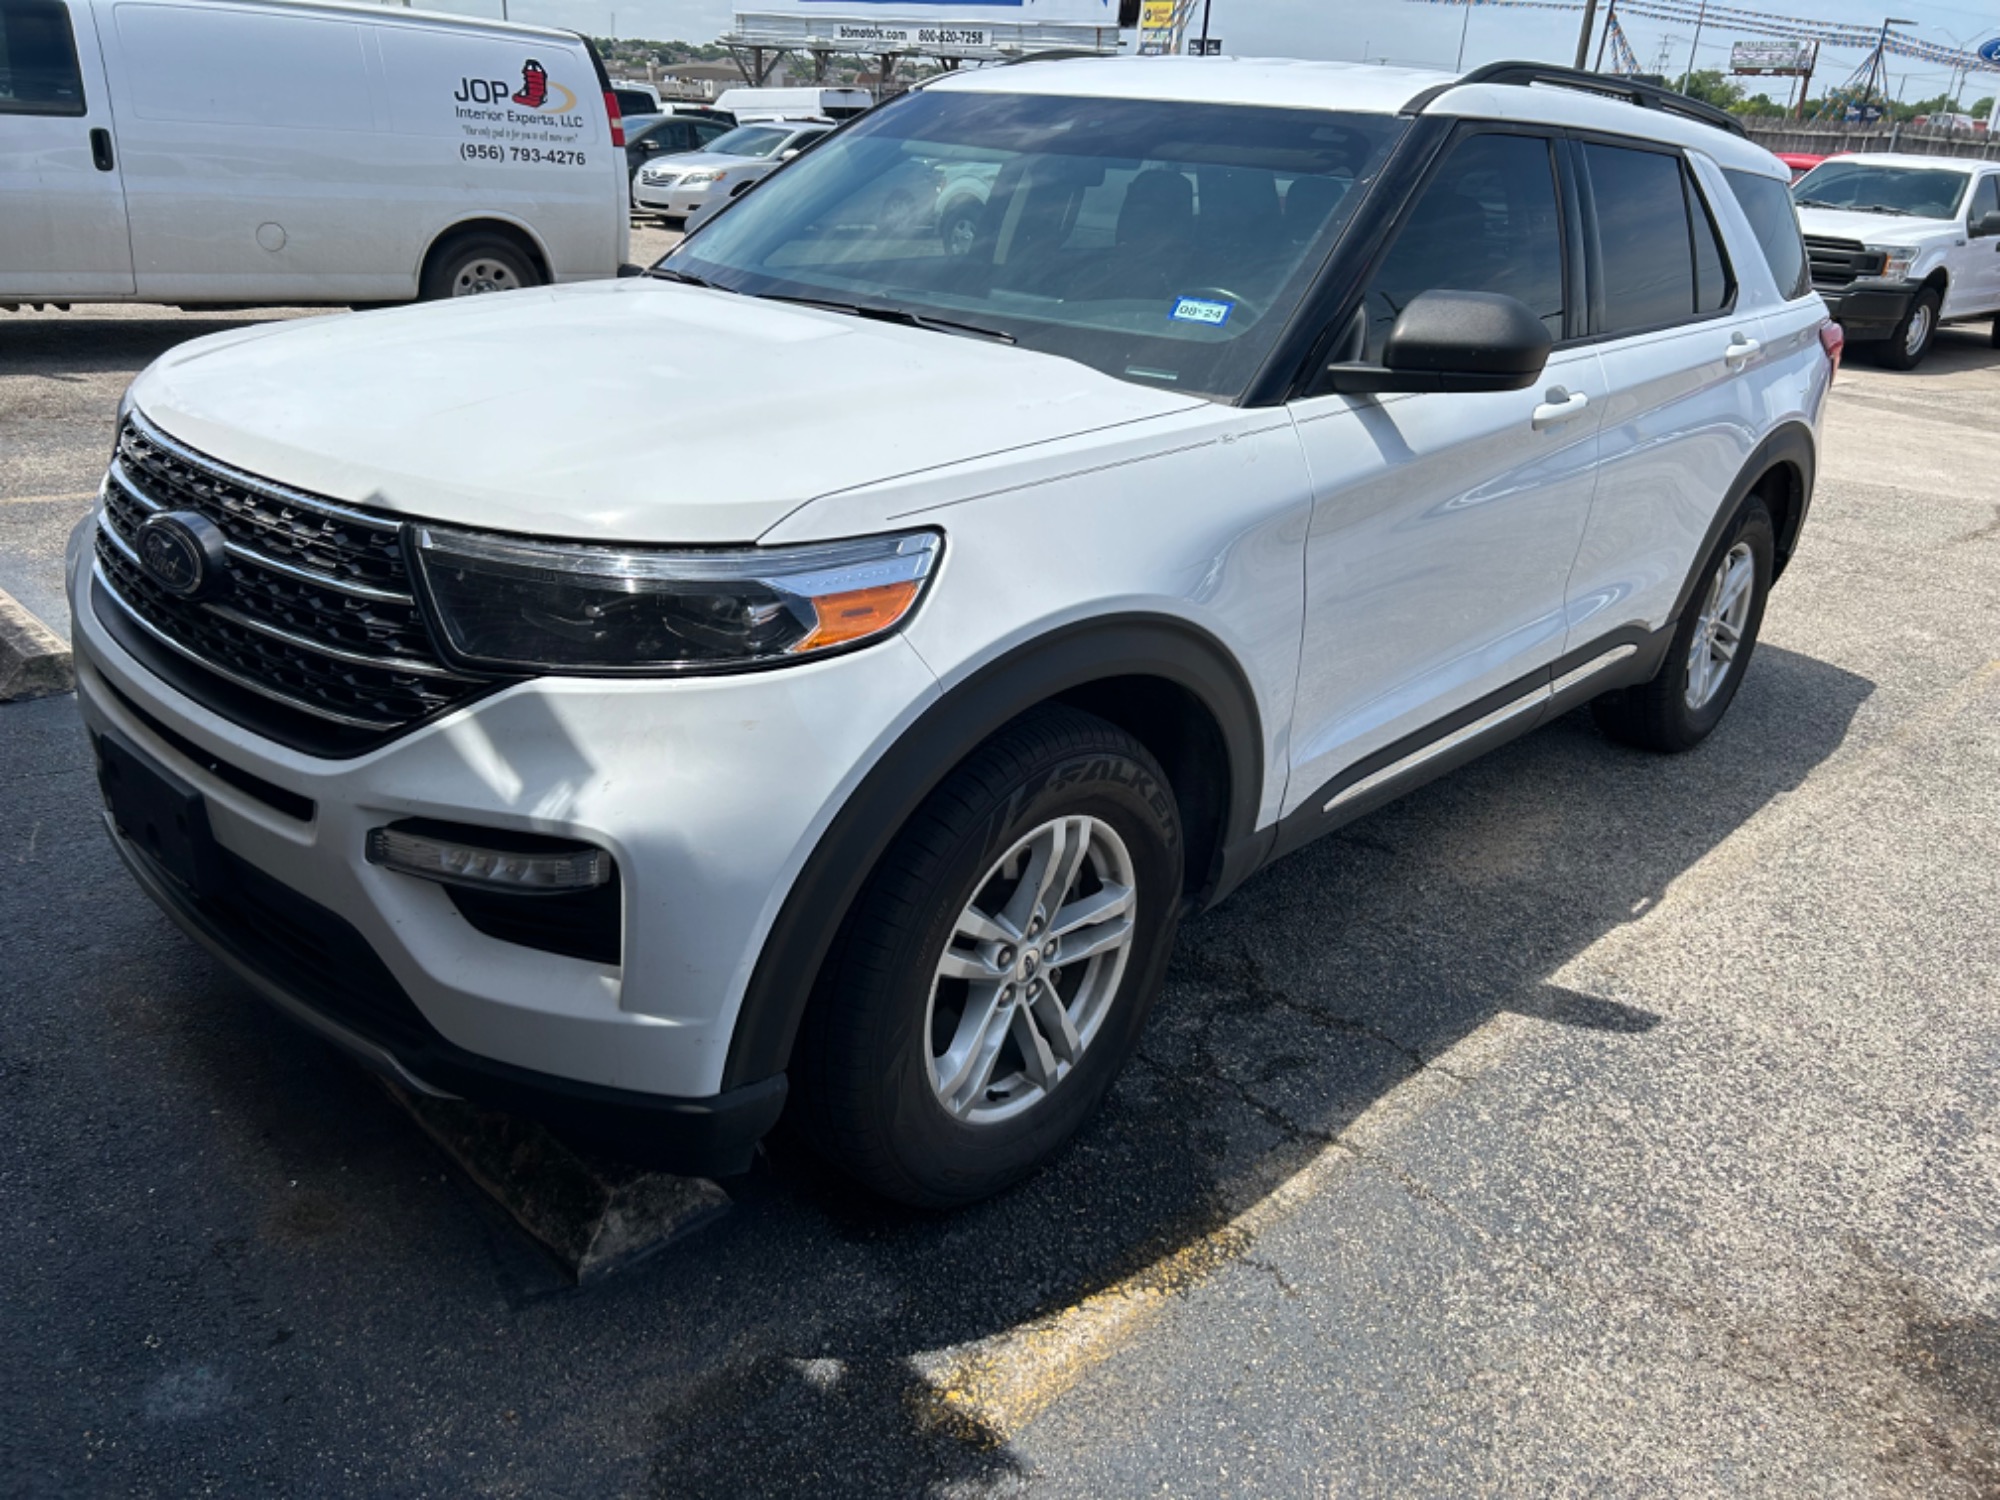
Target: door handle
x: 1739, y: 351
x: 1558, y: 406
x: 100, y: 150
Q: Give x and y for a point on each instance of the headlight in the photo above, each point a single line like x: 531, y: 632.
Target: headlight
x: 1896, y: 260
x: 515, y: 605
x: 697, y: 179
x: 657, y: 174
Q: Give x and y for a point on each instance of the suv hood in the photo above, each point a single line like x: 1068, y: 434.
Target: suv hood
x: 1873, y: 229
x: 634, y: 410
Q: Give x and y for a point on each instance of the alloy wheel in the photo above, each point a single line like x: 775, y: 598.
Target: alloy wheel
x: 1031, y: 969
x: 1718, y: 631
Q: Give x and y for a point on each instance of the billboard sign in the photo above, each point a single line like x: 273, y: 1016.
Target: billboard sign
x: 1990, y: 50
x: 942, y: 28
x: 1771, y: 57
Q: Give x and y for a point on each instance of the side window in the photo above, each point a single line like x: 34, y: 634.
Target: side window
x: 38, y: 71
x: 1985, y: 200
x: 704, y: 133
x: 1711, y: 266
x: 1767, y: 203
x: 1486, y: 222
x: 1643, y: 247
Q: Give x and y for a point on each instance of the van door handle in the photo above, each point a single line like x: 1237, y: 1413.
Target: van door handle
x: 100, y: 150
x: 1737, y: 355
x: 1558, y: 406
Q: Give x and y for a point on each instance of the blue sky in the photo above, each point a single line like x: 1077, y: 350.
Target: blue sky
x: 1402, y: 31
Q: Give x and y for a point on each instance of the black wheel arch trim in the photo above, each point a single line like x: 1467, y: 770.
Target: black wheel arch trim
x: 970, y: 712
x: 1790, y: 443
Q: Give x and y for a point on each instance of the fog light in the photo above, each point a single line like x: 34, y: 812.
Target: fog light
x: 551, y: 867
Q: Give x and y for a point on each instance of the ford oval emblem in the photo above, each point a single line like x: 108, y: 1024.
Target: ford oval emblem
x: 183, y: 552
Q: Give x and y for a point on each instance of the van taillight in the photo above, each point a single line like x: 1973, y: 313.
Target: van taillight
x: 1832, y: 340
x: 611, y: 113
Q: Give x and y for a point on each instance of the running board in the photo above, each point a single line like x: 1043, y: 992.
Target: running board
x: 1533, y: 699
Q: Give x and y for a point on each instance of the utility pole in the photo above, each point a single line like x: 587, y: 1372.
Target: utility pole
x: 1204, y: 26
x: 1700, y: 17
x: 1610, y: 20
x: 1583, y: 37
x: 1464, y: 25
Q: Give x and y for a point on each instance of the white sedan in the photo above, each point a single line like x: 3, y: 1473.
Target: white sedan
x: 681, y: 186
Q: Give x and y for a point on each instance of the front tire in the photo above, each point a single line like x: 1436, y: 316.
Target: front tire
x: 1687, y: 697
x: 1912, y: 340
x: 997, y: 969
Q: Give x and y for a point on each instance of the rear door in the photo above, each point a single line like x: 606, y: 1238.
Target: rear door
x: 62, y: 203
x: 1444, y: 525
x: 1683, y: 355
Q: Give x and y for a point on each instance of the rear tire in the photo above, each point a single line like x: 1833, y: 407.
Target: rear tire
x: 1912, y: 340
x: 467, y: 265
x: 1687, y: 697
x: 887, y: 1072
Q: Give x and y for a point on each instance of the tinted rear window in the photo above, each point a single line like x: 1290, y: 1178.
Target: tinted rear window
x: 1642, y: 237
x: 632, y: 102
x: 1767, y: 204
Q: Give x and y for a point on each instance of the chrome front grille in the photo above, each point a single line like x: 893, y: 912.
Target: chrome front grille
x: 317, y: 615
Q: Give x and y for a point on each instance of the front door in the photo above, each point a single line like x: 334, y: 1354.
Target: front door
x: 1982, y: 252
x: 1444, y: 526
x: 62, y: 204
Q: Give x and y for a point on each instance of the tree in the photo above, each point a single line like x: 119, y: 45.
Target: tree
x: 1712, y: 87
x: 1763, y: 107
x: 1981, y: 108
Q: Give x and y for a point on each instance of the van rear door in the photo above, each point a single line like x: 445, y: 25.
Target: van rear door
x: 62, y: 201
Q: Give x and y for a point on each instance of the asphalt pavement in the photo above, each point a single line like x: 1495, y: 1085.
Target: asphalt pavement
x: 1585, y: 1123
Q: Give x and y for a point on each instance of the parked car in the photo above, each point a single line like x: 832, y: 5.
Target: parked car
x: 280, y: 152
x: 639, y: 124
x: 679, y: 187
x: 1902, y: 244
x: 636, y: 101
x: 1800, y: 162
x: 981, y: 615
x: 673, y: 135
x: 748, y: 104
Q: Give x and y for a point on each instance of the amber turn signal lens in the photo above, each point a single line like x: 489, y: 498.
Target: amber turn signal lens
x: 853, y: 616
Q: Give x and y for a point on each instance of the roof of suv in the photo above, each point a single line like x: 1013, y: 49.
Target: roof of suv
x: 1287, y: 83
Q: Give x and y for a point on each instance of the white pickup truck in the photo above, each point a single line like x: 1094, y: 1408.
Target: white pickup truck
x: 1900, y: 244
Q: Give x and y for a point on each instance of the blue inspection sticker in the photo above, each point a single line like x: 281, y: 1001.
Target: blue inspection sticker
x: 1194, y: 310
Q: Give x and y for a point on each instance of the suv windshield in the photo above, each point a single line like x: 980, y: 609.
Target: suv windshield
x: 1163, y: 243
x: 750, y: 140
x: 1924, y: 192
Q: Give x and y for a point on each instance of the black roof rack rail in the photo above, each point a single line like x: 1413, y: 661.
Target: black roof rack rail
x: 1645, y: 95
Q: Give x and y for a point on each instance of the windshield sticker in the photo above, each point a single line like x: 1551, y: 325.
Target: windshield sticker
x: 1194, y: 310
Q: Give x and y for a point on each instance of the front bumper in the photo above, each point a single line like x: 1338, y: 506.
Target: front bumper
x: 708, y: 793
x: 673, y: 201
x: 1868, y: 311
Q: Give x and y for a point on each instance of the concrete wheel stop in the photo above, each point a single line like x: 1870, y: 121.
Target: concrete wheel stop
x: 595, y: 1215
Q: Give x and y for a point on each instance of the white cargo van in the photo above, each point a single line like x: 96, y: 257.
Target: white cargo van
x: 203, y: 152
x: 794, y: 104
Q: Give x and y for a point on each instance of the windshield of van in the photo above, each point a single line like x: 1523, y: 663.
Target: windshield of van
x: 1164, y: 243
x: 1921, y: 192
x: 749, y: 140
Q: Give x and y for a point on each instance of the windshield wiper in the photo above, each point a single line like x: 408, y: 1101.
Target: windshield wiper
x: 668, y: 273
x: 896, y: 315
x: 1883, y: 208
x: 1816, y: 203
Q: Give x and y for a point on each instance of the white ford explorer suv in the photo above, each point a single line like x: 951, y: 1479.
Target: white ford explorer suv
x: 1287, y: 434
x: 1901, y: 244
